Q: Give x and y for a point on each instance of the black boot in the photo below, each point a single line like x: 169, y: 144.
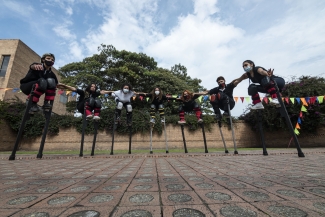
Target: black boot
x: 34, y: 108
x: 47, y: 106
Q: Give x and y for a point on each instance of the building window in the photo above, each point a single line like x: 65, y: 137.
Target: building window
x: 63, y: 98
x: 4, y: 65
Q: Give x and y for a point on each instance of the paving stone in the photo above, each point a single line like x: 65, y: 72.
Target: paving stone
x: 143, y: 211
x: 235, y: 210
x: 186, y: 210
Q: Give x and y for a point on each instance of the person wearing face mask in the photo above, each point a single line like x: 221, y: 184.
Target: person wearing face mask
x: 88, y: 99
x: 123, y: 99
x: 262, y: 82
x: 221, y: 96
x: 189, y: 104
x: 43, y: 79
x: 157, y: 100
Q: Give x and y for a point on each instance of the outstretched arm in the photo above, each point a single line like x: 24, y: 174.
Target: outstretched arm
x: 201, y: 93
x: 106, y: 92
x: 238, y: 80
x: 64, y: 86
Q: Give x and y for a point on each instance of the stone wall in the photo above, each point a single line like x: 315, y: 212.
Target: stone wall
x: 69, y: 139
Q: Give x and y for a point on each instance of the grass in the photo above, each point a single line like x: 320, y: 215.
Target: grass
x: 136, y: 151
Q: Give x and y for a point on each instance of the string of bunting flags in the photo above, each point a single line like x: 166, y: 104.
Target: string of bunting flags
x: 300, y: 100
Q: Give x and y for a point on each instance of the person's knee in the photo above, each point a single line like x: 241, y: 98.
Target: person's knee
x: 252, y: 89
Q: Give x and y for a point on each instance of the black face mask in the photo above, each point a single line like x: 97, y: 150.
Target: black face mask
x: 49, y: 63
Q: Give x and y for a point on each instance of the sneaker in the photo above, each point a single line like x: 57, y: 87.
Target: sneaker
x: 152, y: 121
x: 96, y: 118
x: 182, y: 122
x: 34, y: 108
x: 275, y: 101
x: 89, y: 117
x: 47, y: 106
x: 200, y: 121
x: 257, y: 106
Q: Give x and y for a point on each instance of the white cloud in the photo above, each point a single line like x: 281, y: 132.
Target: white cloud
x: 18, y: 8
x: 64, y: 32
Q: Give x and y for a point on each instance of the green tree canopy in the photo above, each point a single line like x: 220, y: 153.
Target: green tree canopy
x: 112, y: 68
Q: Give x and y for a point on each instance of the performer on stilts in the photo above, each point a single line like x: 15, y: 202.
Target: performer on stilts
x: 123, y: 99
x: 41, y: 77
x: 188, y: 105
x: 262, y: 82
x: 222, y: 99
x: 88, y: 99
x: 157, y: 100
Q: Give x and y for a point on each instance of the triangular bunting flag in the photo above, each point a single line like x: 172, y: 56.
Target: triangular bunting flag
x: 298, y: 100
x: 141, y: 98
x: 247, y: 98
x: 266, y: 100
x: 307, y: 99
x: 312, y: 100
x: 297, y: 131
x: 242, y: 99
x: 174, y: 96
x: 270, y: 99
x: 292, y: 100
x: 303, y: 108
x: 299, y: 121
x: 287, y: 100
x: 15, y: 89
x: 205, y: 98
x: 236, y: 98
x: 74, y: 93
x: 106, y: 95
x: 200, y: 98
x: 320, y: 99
x: 297, y: 126
x: 300, y: 114
x: 304, y: 101
x: 68, y: 92
x: 60, y: 92
x: 147, y: 99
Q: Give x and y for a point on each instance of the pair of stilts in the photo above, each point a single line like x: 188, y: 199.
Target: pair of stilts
x: 165, y: 133
x: 26, y: 117
x: 204, y: 138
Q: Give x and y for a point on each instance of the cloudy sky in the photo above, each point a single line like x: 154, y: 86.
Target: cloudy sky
x: 210, y: 37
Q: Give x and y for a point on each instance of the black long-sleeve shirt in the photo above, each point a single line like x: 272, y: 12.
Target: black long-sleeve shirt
x: 34, y: 75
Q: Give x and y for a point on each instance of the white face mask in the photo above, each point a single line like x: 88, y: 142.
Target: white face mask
x: 125, y: 90
x: 157, y: 92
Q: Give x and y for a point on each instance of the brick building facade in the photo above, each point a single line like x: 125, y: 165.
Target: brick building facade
x: 15, y: 59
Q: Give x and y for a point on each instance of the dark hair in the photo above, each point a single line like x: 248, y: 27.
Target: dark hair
x: 190, y: 94
x: 220, y: 78
x: 46, y: 55
x: 250, y: 62
x: 126, y: 84
x: 89, y: 86
x: 154, y: 95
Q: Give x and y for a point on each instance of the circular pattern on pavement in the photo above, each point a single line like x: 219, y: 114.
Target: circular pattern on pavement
x: 170, y: 179
x: 204, y: 185
x: 47, y: 189
x: 236, y: 184
x: 235, y: 211
x: 186, y: 212
x: 15, y: 189
x: 218, y: 196
x: 317, y: 190
x: 135, y: 213
x: 21, y: 200
x: 61, y: 200
x: 87, y: 213
x: 221, y: 178
x: 319, y: 205
x: 263, y: 184
x: 111, y: 187
x: 37, y: 214
x: 256, y: 195
x: 141, y: 198
x: 175, y: 186
x: 196, y: 179
x: 79, y: 189
x: 292, y: 183
x: 101, y: 198
x: 142, y: 187
x: 179, y: 197
x: 287, y: 211
x: 291, y: 193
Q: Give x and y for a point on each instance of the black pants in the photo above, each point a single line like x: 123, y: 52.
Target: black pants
x: 222, y: 103
x: 26, y: 88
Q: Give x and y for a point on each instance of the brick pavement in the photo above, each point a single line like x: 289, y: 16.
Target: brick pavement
x: 194, y: 184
